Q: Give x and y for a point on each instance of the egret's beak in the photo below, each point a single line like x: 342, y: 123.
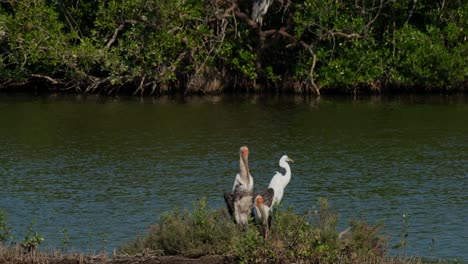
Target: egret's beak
x: 290, y: 160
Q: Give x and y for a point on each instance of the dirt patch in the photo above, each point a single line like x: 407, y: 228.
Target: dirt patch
x: 174, y: 260
x: 148, y: 259
x: 15, y: 255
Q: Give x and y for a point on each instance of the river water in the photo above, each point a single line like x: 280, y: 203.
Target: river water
x: 97, y: 171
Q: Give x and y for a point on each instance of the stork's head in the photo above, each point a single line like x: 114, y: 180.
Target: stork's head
x: 259, y: 200
x: 244, y: 151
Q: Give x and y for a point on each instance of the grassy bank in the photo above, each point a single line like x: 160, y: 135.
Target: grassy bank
x: 209, y: 236
x: 311, y: 237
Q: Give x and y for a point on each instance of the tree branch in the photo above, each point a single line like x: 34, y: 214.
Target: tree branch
x: 117, y: 31
x: 282, y: 32
x: 375, y: 17
x: 50, y: 79
x: 340, y: 34
x: 249, y: 21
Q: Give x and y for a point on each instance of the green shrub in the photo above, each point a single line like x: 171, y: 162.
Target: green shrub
x: 202, y: 232
x: 293, y: 238
x: 32, y: 239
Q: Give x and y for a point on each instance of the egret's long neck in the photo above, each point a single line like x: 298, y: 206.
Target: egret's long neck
x: 244, y: 169
x: 287, y: 176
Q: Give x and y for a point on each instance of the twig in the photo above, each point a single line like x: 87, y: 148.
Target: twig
x: 341, y: 34
x: 411, y: 12
x: 344, y: 232
x: 375, y: 17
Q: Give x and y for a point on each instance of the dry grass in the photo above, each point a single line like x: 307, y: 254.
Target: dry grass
x: 17, y: 255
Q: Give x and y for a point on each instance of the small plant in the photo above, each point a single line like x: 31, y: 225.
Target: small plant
x: 65, y: 239
x: 89, y: 242
x: 32, y: 239
x: 104, y: 240
x: 5, y: 230
x: 245, y: 63
x: 404, y: 233
x: 249, y: 247
x: 364, y: 242
x: 326, y: 222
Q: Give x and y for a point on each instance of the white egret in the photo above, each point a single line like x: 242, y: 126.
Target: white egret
x: 280, y: 181
x: 259, y: 9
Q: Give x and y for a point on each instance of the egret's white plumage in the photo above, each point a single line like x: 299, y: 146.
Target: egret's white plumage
x: 259, y: 9
x: 280, y: 181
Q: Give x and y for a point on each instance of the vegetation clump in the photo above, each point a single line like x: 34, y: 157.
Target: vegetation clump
x: 309, y: 47
x: 203, y: 232
x: 311, y: 237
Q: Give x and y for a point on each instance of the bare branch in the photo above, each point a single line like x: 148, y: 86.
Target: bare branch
x: 117, y: 31
x: 249, y: 21
x: 141, y: 87
x: 340, y: 34
x: 375, y: 17
x: 411, y: 12
x: 50, y: 79
x: 311, y: 73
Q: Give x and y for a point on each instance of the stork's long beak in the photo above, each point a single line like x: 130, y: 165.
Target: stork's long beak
x: 290, y: 160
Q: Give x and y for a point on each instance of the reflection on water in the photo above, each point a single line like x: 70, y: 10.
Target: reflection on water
x: 102, y: 169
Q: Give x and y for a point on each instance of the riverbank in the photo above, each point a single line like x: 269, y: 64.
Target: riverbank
x: 17, y: 256
x: 149, y: 258
x: 43, y: 89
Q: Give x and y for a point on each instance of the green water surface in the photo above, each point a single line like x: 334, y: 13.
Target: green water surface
x: 102, y: 169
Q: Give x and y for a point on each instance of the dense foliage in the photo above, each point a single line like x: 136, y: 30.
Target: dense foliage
x: 211, y: 46
x: 294, y: 238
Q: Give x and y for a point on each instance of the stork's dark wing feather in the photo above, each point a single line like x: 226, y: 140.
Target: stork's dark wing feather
x: 267, y: 195
x: 229, y: 200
